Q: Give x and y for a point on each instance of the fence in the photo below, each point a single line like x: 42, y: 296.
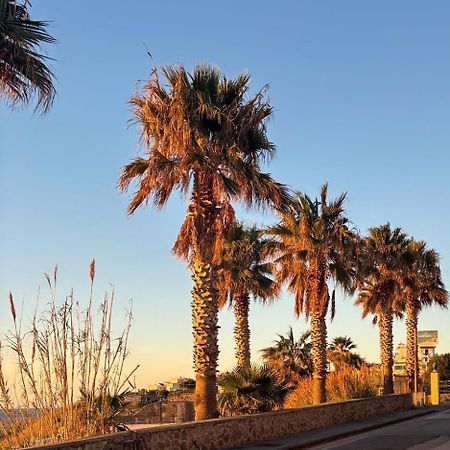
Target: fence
x: 444, y: 386
x: 161, y: 412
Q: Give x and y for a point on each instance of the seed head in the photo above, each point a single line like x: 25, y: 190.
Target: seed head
x: 12, y: 307
x: 92, y: 270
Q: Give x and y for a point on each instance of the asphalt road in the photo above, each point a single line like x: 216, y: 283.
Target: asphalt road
x: 428, y: 432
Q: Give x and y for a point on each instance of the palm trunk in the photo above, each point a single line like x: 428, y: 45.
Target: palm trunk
x: 411, y: 344
x: 242, y: 330
x: 387, y: 348
x: 205, y: 330
x: 319, y: 354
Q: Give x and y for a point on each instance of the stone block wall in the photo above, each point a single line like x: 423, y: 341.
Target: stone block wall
x: 224, y: 433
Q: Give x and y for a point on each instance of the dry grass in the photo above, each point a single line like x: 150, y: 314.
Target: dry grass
x: 348, y: 383
x: 69, y: 374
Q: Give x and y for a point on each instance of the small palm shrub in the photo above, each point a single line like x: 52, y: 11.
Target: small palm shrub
x: 250, y: 390
x: 70, y: 371
x: 346, y: 384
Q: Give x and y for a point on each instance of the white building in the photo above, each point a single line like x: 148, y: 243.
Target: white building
x: 427, y: 341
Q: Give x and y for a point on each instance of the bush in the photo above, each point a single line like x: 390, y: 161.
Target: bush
x: 346, y: 384
x: 249, y: 391
x: 442, y: 364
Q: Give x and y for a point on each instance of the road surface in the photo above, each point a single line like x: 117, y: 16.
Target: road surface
x: 424, y: 433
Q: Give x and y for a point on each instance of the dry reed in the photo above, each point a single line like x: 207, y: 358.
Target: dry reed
x: 346, y: 384
x: 69, y: 378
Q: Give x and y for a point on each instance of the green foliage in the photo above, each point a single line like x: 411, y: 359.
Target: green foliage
x: 290, y: 358
x: 245, y: 270
x: 250, y: 390
x: 315, y: 243
x: 342, y: 344
x: 442, y: 363
x: 384, y: 258
x: 341, y: 355
x: 24, y: 71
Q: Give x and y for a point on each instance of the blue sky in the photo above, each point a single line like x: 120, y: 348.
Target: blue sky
x: 361, y: 92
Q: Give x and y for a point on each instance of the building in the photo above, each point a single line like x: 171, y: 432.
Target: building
x: 427, y: 341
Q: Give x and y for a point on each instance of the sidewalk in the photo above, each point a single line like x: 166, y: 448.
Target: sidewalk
x: 323, y: 435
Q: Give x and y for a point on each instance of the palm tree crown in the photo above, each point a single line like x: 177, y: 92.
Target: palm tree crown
x: 23, y: 68
x: 246, y: 270
x: 290, y: 357
x: 342, y: 344
x: 251, y: 390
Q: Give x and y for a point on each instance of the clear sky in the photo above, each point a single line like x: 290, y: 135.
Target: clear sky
x: 361, y: 92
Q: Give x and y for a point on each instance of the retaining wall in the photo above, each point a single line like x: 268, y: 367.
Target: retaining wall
x: 233, y: 431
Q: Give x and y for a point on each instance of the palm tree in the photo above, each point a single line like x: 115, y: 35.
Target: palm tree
x: 205, y: 137
x: 380, y: 288
x: 244, y: 273
x: 23, y: 68
x: 342, y: 344
x: 290, y: 357
x: 423, y: 287
x: 251, y: 390
x: 340, y: 353
x: 316, y: 245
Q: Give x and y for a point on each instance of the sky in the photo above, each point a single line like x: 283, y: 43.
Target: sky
x: 361, y: 95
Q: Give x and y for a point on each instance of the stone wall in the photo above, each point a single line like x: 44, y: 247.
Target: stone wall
x: 233, y: 431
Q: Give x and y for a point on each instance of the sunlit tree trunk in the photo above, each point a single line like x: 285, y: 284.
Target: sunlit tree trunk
x: 242, y: 330
x: 411, y: 344
x: 387, y: 348
x: 204, y: 299
x: 205, y: 330
x: 319, y: 354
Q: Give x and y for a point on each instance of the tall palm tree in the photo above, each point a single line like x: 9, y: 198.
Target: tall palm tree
x: 290, y: 357
x: 316, y: 245
x: 380, y: 288
x: 24, y: 71
x: 205, y: 137
x: 244, y: 273
x: 423, y: 286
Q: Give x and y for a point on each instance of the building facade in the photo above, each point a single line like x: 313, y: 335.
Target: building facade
x: 427, y: 340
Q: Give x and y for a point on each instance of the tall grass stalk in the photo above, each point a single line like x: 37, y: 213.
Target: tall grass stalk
x: 69, y: 371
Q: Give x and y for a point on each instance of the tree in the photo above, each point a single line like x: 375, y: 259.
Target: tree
x: 316, y: 245
x: 342, y: 344
x: 340, y: 353
x: 205, y: 137
x: 442, y: 365
x: 244, y: 273
x: 380, y: 288
x: 24, y: 71
x: 290, y: 358
x: 423, y: 286
x: 251, y: 390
